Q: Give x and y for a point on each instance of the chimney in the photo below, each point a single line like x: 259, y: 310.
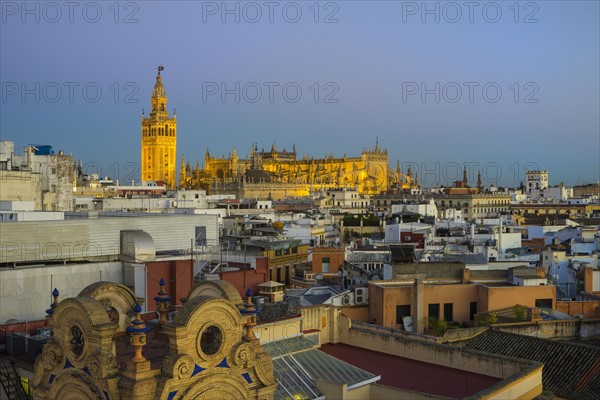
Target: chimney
x: 466, y: 275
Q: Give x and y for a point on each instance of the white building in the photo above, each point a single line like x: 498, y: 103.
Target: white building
x: 348, y: 200
x: 536, y: 180
x: 425, y: 208
x: 393, y: 231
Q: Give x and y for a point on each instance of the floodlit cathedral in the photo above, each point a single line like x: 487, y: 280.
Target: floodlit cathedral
x: 159, y: 139
x: 264, y: 174
x: 278, y: 174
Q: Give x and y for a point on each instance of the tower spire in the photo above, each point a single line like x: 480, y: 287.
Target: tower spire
x: 159, y: 89
x: 159, y: 138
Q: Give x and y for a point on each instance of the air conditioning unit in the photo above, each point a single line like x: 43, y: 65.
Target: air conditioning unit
x: 361, y: 295
x: 346, y: 300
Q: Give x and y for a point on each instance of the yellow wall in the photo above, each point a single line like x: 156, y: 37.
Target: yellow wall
x: 21, y: 186
x: 333, y: 390
x: 278, y: 330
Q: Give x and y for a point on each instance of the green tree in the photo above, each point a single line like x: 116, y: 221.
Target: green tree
x: 486, y: 319
x: 520, y: 312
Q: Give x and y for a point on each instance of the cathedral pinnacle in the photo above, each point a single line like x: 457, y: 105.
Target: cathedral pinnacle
x: 159, y: 89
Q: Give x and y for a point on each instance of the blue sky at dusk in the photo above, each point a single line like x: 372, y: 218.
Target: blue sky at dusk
x: 369, y: 60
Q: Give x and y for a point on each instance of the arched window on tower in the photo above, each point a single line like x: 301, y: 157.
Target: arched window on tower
x: 167, y: 130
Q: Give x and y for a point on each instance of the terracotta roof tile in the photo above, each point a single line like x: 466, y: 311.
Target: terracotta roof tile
x: 571, y: 371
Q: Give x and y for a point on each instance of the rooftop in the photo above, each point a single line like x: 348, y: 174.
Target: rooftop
x: 571, y: 371
x: 409, y: 374
x: 298, y: 365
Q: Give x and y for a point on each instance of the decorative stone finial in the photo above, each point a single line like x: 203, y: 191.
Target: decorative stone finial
x: 249, y: 310
x: 249, y: 306
x: 162, y: 302
x: 137, y: 332
x: 50, y: 311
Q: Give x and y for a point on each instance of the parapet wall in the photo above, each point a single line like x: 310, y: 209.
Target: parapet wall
x: 565, y: 329
x: 463, y: 359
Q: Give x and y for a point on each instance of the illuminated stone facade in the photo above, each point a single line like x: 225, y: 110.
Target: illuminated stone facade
x: 278, y: 174
x: 159, y: 139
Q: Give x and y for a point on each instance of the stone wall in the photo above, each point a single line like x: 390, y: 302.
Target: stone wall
x: 566, y: 329
x: 467, y: 360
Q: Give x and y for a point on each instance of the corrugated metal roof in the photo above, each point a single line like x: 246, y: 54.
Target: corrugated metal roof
x: 298, y: 365
x: 288, y: 346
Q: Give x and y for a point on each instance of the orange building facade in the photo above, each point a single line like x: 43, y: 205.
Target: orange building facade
x: 390, y: 301
x: 327, y: 260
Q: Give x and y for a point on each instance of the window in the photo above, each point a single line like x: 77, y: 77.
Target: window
x: 211, y: 340
x: 200, y: 233
x: 448, y: 315
x: 433, y: 310
x: 401, y: 312
x: 325, y: 264
x: 472, y: 310
x: 543, y: 303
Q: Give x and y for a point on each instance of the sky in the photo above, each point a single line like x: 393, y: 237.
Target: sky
x: 502, y: 87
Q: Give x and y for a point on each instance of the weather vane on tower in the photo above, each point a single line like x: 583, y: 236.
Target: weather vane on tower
x: 160, y: 68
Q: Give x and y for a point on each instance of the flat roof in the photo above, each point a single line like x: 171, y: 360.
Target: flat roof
x: 408, y: 374
x: 271, y: 284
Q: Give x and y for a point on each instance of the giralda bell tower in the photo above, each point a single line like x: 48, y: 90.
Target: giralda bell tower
x: 159, y: 139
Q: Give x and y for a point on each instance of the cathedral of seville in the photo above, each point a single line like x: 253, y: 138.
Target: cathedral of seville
x: 263, y: 174
x: 277, y: 174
